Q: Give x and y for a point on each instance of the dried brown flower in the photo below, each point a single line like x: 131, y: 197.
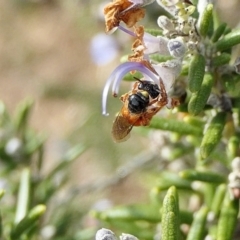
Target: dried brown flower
x: 120, y: 10
x: 138, y: 45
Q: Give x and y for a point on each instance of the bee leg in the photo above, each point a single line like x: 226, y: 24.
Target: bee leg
x: 135, y: 87
x: 174, y: 102
x: 147, y: 116
x: 124, y: 97
x: 164, y: 98
x: 145, y: 119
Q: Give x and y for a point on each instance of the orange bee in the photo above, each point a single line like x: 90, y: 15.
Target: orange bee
x: 139, y: 106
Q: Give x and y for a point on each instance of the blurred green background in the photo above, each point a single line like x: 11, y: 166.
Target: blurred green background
x: 45, y: 55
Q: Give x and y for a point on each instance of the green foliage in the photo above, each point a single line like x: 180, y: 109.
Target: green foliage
x: 197, y: 142
x: 196, y: 72
x: 194, y: 195
x: 206, y: 19
x: 228, y: 218
x: 229, y: 40
x: 213, y: 134
x: 199, y: 99
x: 197, y: 230
x: 170, y: 215
x: 219, y: 32
x: 175, y: 126
x: 202, y: 176
x: 31, y: 192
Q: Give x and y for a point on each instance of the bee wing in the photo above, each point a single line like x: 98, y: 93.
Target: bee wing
x: 121, y: 129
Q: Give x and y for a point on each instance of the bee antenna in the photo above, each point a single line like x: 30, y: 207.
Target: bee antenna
x: 138, y: 79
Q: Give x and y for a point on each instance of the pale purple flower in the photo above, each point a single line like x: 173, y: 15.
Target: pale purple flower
x: 152, y: 43
x: 104, y: 48
x: 168, y: 71
x: 138, y: 4
x: 117, y: 76
x: 155, y: 44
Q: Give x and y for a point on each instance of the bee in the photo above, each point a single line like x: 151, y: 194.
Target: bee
x: 139, y: 106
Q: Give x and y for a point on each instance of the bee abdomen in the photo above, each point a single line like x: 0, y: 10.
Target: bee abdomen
x: 138, y: 102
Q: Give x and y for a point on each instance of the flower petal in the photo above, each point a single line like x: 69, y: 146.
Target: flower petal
x: 122, y: 10
x: 117, y: 76
x: 127, y: 31
x: 155, y: 44
x: 168, y: 72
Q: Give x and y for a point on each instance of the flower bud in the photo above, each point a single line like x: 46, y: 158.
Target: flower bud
x: 105, y: 234
x: 165, y: 23
x: 177, y: 47
x: 126, y: 236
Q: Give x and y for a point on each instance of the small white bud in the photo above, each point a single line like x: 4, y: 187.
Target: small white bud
x: 126, y: 236
x: 165, y: 23
x: 208, y: 237
x: 13, y: 146
x: 236, y: 164
x: 105, y: 234
x: 165, y: 152
x: 177, y: 47
x: 48, y: 232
